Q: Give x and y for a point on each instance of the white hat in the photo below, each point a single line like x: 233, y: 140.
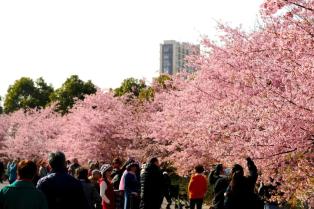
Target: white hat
x: 105, y: 167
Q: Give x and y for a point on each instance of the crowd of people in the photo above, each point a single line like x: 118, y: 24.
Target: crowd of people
x: 62, y: 184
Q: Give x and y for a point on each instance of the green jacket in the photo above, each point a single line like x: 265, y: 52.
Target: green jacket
x: 22, y: 195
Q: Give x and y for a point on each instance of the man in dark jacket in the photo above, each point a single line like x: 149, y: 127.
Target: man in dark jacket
x: 151, y: 186
x: 92, y: 195
x: 215, y: 174
x: 220, y: 181
x: 61, y: 189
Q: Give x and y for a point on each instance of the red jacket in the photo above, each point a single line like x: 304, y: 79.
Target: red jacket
x: 109, y: 193
x: 197, y: 186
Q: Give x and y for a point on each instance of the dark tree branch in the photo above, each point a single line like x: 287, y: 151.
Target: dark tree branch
x: 279, y: 153
x: 299, y: 5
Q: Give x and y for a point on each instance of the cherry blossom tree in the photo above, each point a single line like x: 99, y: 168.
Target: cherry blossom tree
x: 4, y: 127
x: 29, y: 134
x: 252, y: 96
x: 98, y: 128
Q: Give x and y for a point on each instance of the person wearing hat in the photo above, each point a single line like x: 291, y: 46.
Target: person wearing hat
x: 106, y: 187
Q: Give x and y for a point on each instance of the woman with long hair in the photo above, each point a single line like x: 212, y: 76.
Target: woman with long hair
x: 240, y: 193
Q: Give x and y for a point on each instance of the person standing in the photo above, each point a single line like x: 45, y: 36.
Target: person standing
x: 219, y: 179
x: 72, y: 168
x: 12, y: 168
x: 119, y: 196
x: 240, y: 193
x: 116, y: 178
x: 167, y: 185
x: 216, y: 174
x: 197, y: 188
x: 91, y: 193
x: 94, y: 179
x: 43, y: 169
x: 62, y: 190
x: 92, y: 166
x: 124, y: 172
x: 22, y: 194
x: 116, y: 173
x: 131, y: 193
x: 152, y: 187
x: 106, y: 187
x: 2, y: 171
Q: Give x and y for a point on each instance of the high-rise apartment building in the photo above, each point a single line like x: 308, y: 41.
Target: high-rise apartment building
x: 173, y: 54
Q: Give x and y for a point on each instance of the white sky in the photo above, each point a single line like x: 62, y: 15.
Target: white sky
x: 105, y: 41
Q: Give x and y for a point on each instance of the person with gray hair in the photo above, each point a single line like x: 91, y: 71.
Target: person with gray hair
x: 62, y: 190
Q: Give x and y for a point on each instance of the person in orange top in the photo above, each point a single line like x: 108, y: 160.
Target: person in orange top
x: 197, y: 188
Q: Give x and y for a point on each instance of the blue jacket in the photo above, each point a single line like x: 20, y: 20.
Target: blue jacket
x: 130, y: 183
x: 12, y: 171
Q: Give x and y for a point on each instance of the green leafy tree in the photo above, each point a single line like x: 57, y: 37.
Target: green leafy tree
x: 135, y: 89
x: 162, y: 80
x: 130, y: 86
x: 146, y: 94
x: 73, y: 88
x: 24, y: 93
x: 44, y: 92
